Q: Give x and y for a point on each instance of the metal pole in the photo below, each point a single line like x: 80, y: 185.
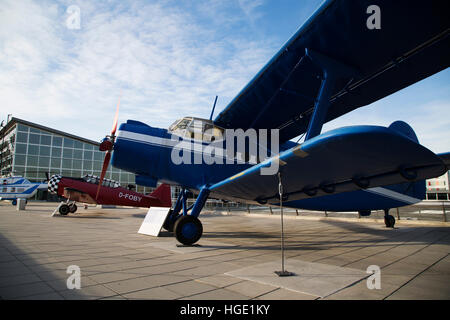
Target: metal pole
x: 1, y: 149
x: 283, y: 272
x: 443, y: 211
x: 398, y: 214
x: 270, y: 208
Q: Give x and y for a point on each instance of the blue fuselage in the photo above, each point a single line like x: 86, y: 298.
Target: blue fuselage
x: 148, y: 152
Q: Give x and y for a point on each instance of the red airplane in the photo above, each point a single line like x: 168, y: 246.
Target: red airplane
x: 86, y: 190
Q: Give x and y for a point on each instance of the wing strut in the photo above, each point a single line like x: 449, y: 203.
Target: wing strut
x: 332, y: 70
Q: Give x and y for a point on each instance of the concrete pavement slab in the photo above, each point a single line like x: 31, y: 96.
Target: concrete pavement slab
x: 311, y: 278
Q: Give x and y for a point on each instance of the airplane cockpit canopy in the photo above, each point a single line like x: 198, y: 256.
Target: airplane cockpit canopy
x: 106, y: 182
x: 197, y: 128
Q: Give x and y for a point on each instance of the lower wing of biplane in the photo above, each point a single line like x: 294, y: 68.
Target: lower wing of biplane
x: 341, y: 160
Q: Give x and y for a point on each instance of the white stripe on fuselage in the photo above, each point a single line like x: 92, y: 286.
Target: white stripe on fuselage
x: 183, y: 143
x: 393, y: 195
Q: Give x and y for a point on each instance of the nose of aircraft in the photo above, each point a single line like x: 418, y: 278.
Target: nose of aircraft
x: 53, y: 183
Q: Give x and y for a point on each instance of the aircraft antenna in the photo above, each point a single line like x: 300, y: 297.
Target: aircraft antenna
x: 214, y: 106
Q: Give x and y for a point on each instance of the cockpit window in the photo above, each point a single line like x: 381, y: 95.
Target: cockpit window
x: 106, y: 182
x: 197, y: 129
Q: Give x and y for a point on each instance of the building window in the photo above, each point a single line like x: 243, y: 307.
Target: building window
x: 21, y: 148
x: 32, y: 161
x: 56, y: 152
x: 33, y: 150
x: 46, y: 140
x: 19, y: 160
x: 44, y: 151
x: 78, y: 144
x: 98, y: 156
x: 76, y: 164
x: 87, y: 166
x: 77, y: 154
x: 88, y: 146
x: 67, y: 163
x: 22, y: 128
x: 68, y: 143
x: 87, y: 155
x: 22, y: 137
x: 34, y: 138
x: 67, y: 153
x: 44, y: 162
x: 57, y: 141
x: 55, y: 163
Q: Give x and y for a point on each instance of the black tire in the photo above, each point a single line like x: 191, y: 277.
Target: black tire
x: 73, y: 208
x: 64, y: 209
x: 14, y: 202
x: 188, y: 230
x: 389, y: 221
x: 168, y: 223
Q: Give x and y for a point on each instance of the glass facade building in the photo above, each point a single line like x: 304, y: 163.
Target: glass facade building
x: 30, y: 150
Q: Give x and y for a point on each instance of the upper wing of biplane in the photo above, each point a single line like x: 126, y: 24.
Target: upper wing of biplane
x: 411, y: 44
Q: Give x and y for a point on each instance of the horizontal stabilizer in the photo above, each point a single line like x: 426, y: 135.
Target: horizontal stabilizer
x: 341, y: 160
x: 445, y: 157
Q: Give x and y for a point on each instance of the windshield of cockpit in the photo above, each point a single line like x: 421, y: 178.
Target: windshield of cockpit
x: 198, y: 129
x: 106, y: 182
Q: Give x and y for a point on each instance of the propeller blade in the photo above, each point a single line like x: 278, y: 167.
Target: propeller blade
x: 104, y: 168
x: 116, y: 119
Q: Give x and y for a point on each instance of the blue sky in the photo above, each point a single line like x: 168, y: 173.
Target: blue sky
x: 167, y: 59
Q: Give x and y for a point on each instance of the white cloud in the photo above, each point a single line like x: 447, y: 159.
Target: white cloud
x: 166, y: 63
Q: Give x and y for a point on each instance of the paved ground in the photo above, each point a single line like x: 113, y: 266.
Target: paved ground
x: 118, y: 263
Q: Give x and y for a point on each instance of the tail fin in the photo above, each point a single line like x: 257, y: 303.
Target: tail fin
x: 413, y: 189
x: 404, y: 129
x: 446, y: 158
x: 162, y: 193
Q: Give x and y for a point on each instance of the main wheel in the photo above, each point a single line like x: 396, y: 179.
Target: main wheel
x: 14, y: 202
x: 64, y: 209
x: 188, y: 230
x: 73, y: 208
x: 389, y: 221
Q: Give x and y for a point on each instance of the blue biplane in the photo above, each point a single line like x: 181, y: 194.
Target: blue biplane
x: 336, y: 62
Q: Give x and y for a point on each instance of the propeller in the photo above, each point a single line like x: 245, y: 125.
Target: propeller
x: 107, y: 145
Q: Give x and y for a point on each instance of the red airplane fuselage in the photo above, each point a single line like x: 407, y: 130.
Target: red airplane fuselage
x: 77, y: 189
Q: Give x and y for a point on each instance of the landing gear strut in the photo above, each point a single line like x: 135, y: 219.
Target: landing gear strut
x: 388, y: 219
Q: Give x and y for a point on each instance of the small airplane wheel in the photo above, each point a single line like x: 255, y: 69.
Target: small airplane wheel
x: 389, y: 221
x: 188, y: 230
x: 73, y: 208
x: 14, y: 202
x: 64, y: 209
